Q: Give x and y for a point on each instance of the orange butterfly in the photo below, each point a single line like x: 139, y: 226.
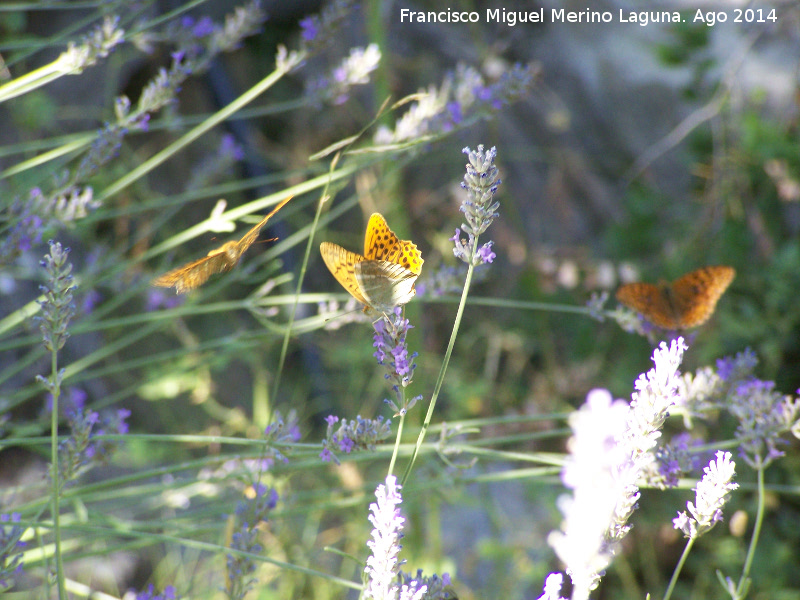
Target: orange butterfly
x: 384, y: 276
x: 219, y: 260
x: 685, y: 303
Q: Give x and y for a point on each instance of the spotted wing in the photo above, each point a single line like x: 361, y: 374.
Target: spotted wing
x: 406, y: 254
x: 651, y: 301
x: 379, y: 240
x: 385, y: 284
x: 342, y: 265
x: 252, y: 235
x: 196, y: 273
x: 695, y: 295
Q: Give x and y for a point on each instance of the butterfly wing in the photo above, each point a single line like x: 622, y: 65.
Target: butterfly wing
x: 385, y: 284
x: 342, y: 265
x: 381, y: 243
x: 252, y: 235
x: 406, y: 254
x: 695, y: 295
x: 196, y: 273
x: 379, y: 240
x: 218, y: 260
x: 649, y: 300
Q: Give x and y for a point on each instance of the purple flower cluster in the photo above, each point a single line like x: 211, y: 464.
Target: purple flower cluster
x: 354, y: 70
x: 464, y: 94
x: 201, y: 40
x: 673, y: 460
x: 24, y: 234
x: 249, y: 513
x: 358, y: 434
x: 436, y: 588
x: 148, y: 594
x: 157, y: 298
x: 318, y: 31
x: 82, y: 449
x: 480, y: 208
x: 763, y: 414
x: 391, y: 351
x: 732, y: 368
x: 11, y: 547
x: 280, y: 432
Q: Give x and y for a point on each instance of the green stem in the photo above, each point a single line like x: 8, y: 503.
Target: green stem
x: 397, y: 443
x: 62, y: 589
x: 676, y: 573
x: 437, y: 388
x: 195, y: 133
x: 744, y: 580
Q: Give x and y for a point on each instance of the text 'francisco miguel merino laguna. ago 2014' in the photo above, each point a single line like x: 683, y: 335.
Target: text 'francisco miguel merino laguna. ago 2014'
x: 561, y: 15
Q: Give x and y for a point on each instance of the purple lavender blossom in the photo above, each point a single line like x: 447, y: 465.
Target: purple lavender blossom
x: 358, y: 434
x: 320, y: 30
x: 11, y: 549
x: 390, y: 342
x: 150, y: 594
x: 730, y: 368
x: 309, y: 29
x: 250, y: 512
x: 479, y: 207
x: 763, y: 414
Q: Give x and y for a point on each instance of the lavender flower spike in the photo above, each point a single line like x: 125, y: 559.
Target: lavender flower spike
x: 383, y: 565
x: 590, y: 472
x: 712, y: 494
x: 57, y: 306
x: 480, y: 208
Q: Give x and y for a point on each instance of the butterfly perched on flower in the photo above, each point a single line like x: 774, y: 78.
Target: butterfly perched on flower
x: 219, y: 260
x: 384, y: 276
x: 685, y: 303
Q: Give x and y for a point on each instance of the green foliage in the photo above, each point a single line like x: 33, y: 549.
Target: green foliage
x: 136, y: 195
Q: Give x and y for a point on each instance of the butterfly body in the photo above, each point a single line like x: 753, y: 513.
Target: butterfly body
x: 218, y: 260
x: 384, y: 276
x: 682, y: 304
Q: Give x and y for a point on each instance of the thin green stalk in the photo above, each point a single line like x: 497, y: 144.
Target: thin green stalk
x: 445, y: 362
x: 56, y: 491
x: 744, y: 580
x: 195, y: 133
x: 676, y: 573
x: 300, y: 278
x: 324, y: 197
x: 397, y: 442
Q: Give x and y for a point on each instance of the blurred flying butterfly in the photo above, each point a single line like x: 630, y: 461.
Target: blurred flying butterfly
x: 685, y: 303
x: 384, y: 276
x: 219, y: 260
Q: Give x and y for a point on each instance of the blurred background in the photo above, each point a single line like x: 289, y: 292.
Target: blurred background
x: 639, y: 153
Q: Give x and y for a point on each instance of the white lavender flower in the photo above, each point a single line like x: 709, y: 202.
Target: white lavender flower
x: 656, y: 392
x: 383, y: 565
x: 610, y: 449
x: 711, y: 495
x: 463, y: 94
x: 552, y: 587
x: 95, y: 45
x: 354, y: 70
x: 590, y: 472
